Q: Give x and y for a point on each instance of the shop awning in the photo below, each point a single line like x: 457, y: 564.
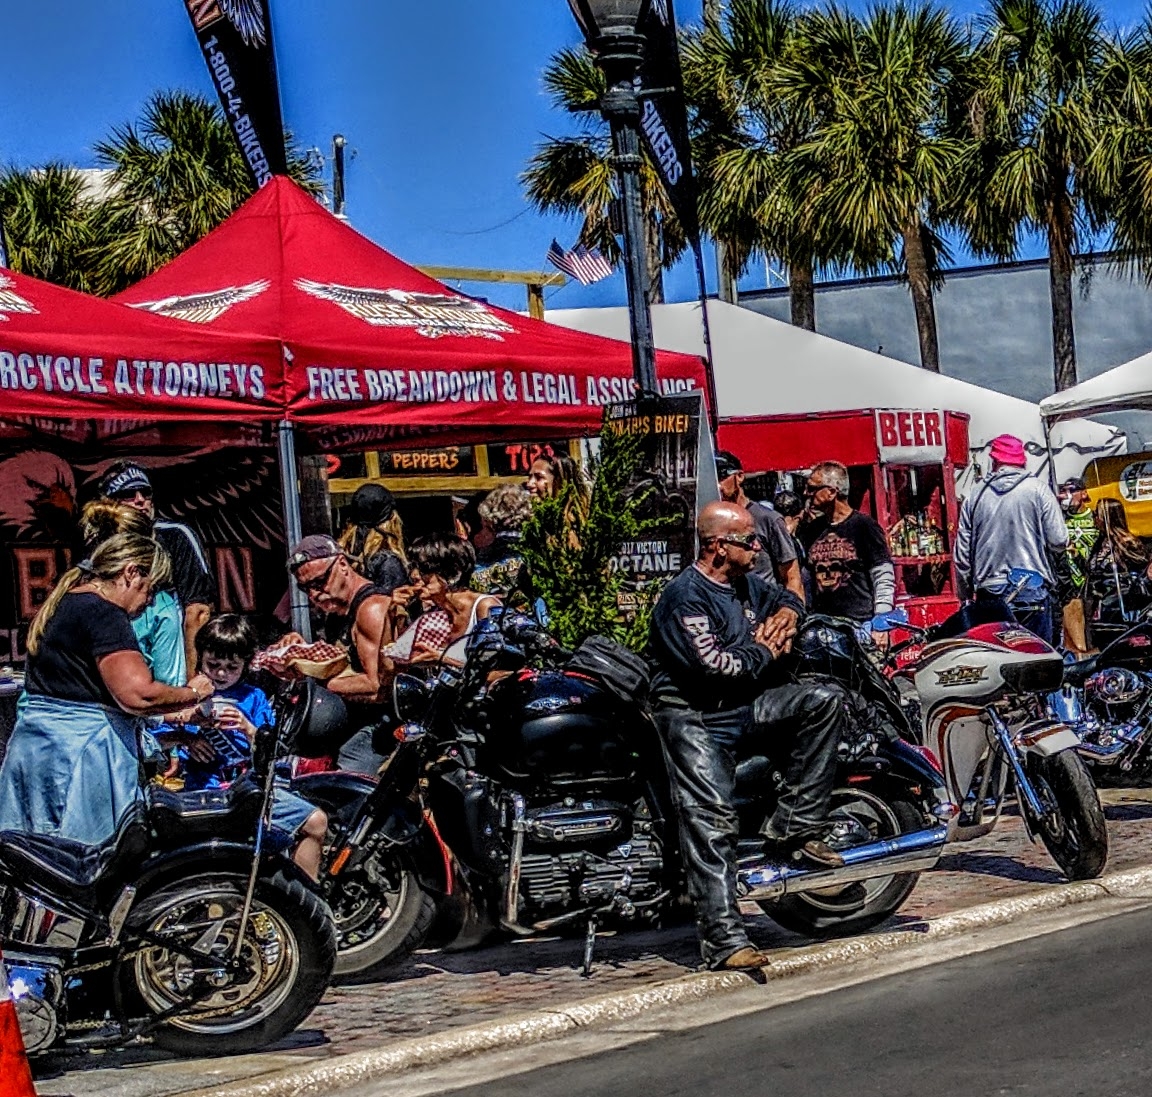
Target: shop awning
x: 68, y: 355
x: 373, y: 342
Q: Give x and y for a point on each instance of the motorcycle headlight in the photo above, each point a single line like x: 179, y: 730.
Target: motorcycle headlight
x: 1113, y: 686
x: 409, y: 698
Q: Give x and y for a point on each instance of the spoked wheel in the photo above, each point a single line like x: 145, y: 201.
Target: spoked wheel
x: 382, y: 915
x: 1073, y: 829
x: 841, y: 912
x: 288, y: 952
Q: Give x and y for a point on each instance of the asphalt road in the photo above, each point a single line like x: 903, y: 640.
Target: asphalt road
x: 1061, y: 1015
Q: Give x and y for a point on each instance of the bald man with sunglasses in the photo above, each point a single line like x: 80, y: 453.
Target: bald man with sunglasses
x: 719, y: 694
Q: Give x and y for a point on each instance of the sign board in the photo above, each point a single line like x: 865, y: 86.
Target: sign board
x: 905, y: 437
x: 440, y: 461
x: 668, y: 482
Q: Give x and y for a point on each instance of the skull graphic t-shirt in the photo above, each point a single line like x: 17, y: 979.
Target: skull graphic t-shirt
x: 841, y: 557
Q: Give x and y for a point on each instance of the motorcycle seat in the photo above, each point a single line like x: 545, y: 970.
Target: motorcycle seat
x: 206, y: 813
x: 1076, y: 674
x: 74, y: 870
x: 754, y: 773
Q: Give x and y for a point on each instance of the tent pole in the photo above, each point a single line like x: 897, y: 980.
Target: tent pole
x: 289, y: 488
x: 1051, y: 455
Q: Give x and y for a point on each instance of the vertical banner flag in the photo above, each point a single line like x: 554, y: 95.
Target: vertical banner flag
x: 663, y: 115
x: 3, y: 246
x: 671, y: 481
x: 236, y: 39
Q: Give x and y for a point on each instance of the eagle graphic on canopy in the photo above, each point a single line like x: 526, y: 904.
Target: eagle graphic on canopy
x: 10, y: 301
x: 203, y: 308
x: 428, y: 314
x: 247, y: 16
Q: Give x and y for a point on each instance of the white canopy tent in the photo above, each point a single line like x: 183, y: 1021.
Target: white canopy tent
x: 1127, y: 387
x: 766, y: 367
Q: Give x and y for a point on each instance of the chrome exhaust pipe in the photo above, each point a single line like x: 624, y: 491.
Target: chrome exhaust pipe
x: 762, y: 880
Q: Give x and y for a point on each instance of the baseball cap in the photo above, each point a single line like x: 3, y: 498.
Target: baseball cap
x: 1008, y: 450
x: 372, y: 503
x: 124, y: 478
x: 316, y: 546
x: 726, y: 464
x: 1073, y: 483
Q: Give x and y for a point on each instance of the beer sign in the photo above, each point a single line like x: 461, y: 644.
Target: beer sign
x: 905, y: 437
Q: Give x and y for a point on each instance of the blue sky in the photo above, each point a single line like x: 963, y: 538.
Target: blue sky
x: 441, y: 101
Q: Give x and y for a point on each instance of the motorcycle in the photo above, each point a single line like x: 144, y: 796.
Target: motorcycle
x: 977, y: 688
x: 184, y: 927
x: 549, y: 789
x: 1107, y: 701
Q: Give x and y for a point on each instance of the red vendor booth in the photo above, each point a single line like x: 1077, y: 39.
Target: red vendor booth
x: 902, y: 464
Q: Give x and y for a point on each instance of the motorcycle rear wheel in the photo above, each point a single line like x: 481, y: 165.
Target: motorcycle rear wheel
x: 289, y: 945
x: 1074, y: 832
x: 821, y: 916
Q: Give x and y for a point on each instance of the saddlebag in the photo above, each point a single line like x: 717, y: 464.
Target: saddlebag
x: 618, y: 670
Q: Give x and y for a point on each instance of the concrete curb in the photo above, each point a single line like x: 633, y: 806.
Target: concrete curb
x: 356, y: 1068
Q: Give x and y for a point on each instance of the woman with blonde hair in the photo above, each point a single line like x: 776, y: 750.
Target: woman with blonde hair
x: 373, y: 539
x: 72, y: 766
x: 159, y: 628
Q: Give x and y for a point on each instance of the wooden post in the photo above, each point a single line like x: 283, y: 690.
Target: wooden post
x: 536, y: 300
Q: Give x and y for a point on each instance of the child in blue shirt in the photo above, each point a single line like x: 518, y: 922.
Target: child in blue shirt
x: 224, y: 729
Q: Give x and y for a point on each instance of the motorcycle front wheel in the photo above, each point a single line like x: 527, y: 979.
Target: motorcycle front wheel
x: 813, y: 914
x: 289, y: 949
x: 1073, y: 829
x: 382, y: 916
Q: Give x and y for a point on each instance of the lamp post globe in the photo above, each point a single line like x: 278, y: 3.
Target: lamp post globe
x: 612, y: 31
x: 598, y: 18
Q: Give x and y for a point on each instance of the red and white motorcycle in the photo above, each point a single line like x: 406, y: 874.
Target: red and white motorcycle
x: 976, y: 688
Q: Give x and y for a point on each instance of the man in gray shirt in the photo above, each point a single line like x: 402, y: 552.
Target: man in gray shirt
x: 1013, y: 520
x: 776, y: 561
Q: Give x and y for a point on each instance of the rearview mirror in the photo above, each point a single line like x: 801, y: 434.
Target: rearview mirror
x: 887, y: 622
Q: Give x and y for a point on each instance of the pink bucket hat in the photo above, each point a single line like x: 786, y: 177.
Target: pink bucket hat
x: 1007, y: 449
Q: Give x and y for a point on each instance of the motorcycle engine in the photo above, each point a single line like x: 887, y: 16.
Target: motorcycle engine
x: 588, y: 854
x: 1114, y: 686
x: 37, y: 988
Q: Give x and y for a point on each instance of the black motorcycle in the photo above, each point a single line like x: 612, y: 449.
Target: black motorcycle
x: 549, y: 788
x: 1107, y: 701
x: 185, y: 927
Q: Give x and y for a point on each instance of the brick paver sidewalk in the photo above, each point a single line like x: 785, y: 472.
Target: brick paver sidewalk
x: 436, y: 991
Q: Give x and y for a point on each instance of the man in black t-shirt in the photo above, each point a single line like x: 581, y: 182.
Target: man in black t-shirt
x: 852, y: 572
x: 718, y: 693
x: 776, y: 562
x: 128, y: 483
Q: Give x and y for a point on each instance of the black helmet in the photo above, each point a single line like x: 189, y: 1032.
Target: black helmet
x: 319, y: 720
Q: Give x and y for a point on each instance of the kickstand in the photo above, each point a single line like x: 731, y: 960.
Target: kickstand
x: 589, y: 946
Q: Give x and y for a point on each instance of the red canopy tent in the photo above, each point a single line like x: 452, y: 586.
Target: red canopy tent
x: 372, y: 341
x: 71, y: 356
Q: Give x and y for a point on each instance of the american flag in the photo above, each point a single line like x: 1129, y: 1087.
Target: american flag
x: 580, y: 263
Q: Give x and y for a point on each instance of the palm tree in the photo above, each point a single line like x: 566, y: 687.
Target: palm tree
x: 757, y: 193
x: 574, y: 175
x: 175, y: 175
x: 1121, y: 161
x: 50, y: 220
x: 1034, y: 115
x: 878, y: 90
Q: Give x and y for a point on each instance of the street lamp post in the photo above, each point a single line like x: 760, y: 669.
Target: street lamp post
x: 610, y: 29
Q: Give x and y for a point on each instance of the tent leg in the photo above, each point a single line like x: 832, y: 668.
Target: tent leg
x: 1051, y: 455
x: 290, y: 490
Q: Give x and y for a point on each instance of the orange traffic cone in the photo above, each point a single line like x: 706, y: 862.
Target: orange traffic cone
x: 15, y: 1074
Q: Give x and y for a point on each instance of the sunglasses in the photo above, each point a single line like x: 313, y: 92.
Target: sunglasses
x: 747, y: 541
x: 128, y: 494
x: 814, y: 489
x: 315, y: 586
